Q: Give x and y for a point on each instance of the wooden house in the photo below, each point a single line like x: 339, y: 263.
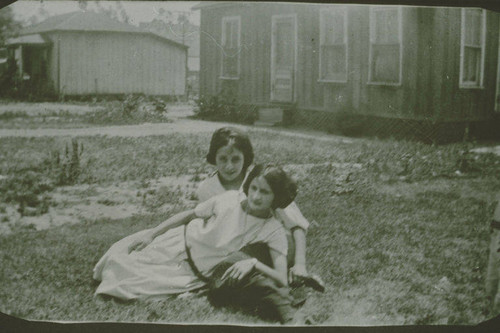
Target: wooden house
x: 426, y: 68
x: 85, y: 53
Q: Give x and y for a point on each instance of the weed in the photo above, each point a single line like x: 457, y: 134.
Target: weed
x: 133, y: 109
x: 107, y: 202
x: 67, y: 165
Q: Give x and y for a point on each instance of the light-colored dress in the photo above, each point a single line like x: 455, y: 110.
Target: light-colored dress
x: 291, y: 216
x: 161, y: 268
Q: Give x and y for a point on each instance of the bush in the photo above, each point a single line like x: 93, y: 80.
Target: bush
x: 28, y: 190
x: 133, y: 109
x: 33, y: 90
x: 224, y: 107
x: 29, y: 184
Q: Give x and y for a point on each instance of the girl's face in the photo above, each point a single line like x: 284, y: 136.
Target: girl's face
x: 260, y: 196
x: 229, y: 162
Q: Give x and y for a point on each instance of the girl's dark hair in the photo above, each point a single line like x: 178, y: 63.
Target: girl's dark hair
x: 230, y: 135
x: 283, y: 187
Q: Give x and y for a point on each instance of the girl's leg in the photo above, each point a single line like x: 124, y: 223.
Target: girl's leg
x: 256, y: 291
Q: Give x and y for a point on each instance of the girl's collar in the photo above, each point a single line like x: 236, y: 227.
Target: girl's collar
x: 244, y: 206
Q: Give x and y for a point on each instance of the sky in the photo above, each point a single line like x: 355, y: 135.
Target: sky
x: 138, y: 11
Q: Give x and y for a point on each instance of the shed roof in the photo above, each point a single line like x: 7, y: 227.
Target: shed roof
x: 34, y: 39
x: 206, y: 4
x: 87, y: 21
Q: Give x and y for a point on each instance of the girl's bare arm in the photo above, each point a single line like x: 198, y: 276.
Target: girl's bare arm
x: 299, y: 238
x: 172, y: 222
x: 279, y: 273
x: 243, y: 267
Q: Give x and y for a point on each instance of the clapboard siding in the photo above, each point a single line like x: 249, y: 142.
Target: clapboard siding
x: 430, y: 63
x: 116, y: 63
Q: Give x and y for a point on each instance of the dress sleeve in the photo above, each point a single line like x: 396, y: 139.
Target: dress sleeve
x: 276, y: 239
x: 210, y: 187
x: 203, y: 192
x: 291, y: 217
x: 206, y: 208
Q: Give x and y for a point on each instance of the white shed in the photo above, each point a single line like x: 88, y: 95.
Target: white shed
x: 83, y: 53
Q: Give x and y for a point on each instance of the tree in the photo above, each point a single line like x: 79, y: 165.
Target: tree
x: 8, y: 25
x: 41, y: 15
x: 173, y: 26
x: 117, y: 12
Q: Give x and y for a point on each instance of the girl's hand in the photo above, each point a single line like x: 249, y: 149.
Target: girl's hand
x: 140, y: 243
x: 238, y: 271
x: 296, y: 273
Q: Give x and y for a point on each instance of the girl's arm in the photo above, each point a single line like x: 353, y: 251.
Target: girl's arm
x: 172, y: 222
x: 279, y: 272
x: 299, y: 263
x: 242, y: 268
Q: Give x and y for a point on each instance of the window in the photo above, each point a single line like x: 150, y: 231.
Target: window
x: 385, y: 46
x: 230, y: 47
x: 472, y: 47
x: 333, y: 45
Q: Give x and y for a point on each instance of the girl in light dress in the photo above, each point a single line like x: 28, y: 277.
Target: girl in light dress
x: 203, y: 246
x: 231, y: 152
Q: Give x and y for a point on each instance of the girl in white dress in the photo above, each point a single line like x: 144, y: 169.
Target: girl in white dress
x: 182, y: 253
x: 231, y: 152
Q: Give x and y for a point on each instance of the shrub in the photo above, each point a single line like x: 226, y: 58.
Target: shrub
x: 28, y: 190
x: 224, y: 107
x: 132, y: 109
x: 29, y: 185
x: 33, y: 90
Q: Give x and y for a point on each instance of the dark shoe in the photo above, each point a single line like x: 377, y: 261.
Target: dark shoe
x: 315, y: 282
x: 311, y: 281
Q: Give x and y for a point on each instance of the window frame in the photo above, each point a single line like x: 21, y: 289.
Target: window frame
x: 223, y: 38
x: 371, y: 39
x: 470, y: 84
x: 322, y: 13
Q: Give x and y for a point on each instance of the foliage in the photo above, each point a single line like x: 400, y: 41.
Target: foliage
x: 133, y: 109
x: 28, y: 190
x: 26, y: 90
x: 29, y: 184
x: 116, y: 12
x: 224, y: 107
x: 67, y: 165
x: 9, y: 27
x: 8, y: 78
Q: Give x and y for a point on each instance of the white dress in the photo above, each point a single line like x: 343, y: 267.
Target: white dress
x: 291, y: 216
x: 161, y: 268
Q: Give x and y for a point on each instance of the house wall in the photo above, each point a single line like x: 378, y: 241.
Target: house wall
x: 450, y: 102
x: 430, y: 70
x: 116, y: 63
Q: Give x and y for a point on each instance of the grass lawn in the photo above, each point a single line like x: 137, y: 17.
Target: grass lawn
x: 401, y: 240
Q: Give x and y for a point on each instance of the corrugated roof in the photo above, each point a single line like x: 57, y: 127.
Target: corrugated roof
x: 86, y: 21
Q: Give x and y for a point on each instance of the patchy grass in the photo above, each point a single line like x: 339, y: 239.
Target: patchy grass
x: 132, y: 110
x: 407, y: 244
